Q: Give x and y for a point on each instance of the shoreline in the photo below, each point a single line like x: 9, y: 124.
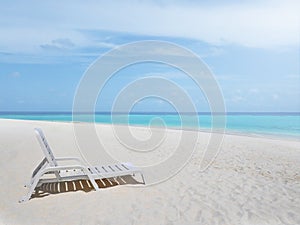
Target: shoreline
x: 208, y: 131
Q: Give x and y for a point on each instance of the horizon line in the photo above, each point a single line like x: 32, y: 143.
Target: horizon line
x: 149, y: 112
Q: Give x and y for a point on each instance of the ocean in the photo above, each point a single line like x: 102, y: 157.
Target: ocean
x: 273, y: 124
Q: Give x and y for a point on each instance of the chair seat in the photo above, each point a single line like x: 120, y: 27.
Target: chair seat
x: 102, y: 171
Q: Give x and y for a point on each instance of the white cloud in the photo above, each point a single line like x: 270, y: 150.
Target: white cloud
x: 264, y: 24
x: 59, y: 44
x: 293, y: 76
x: 213, y: 51
x: 275, y: 96
x: 27, y: 39
x: 237, y: 98
x: 15, y: 74
x: 253, y: 91
x: 167, y: 75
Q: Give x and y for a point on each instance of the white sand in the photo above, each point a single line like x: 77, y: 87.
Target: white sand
x: 254, y: 180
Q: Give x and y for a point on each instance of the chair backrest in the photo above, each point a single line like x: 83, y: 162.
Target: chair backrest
x: 45, y: 147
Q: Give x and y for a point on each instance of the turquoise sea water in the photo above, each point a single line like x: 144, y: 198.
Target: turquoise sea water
x: 282, y: 124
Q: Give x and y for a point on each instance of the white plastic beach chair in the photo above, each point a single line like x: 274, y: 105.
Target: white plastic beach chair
x: 79, y: 171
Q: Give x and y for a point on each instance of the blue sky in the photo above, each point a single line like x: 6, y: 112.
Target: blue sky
x: 252, y: 47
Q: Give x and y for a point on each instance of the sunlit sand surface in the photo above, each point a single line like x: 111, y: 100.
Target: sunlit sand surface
x: 254, y: 180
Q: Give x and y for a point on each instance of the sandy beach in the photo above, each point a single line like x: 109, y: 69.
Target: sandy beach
x: 254, y: 180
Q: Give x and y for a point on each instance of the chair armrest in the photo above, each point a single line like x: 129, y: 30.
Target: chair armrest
x: 69, y: 167
x: 70, y: 159
x: 39, y: 167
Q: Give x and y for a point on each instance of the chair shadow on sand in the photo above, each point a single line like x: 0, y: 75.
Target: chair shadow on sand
x: 81, y: 185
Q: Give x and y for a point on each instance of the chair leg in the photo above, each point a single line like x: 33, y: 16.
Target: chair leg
x: 31, y: 190
x: 95, y: 185
x: 143, y: 178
